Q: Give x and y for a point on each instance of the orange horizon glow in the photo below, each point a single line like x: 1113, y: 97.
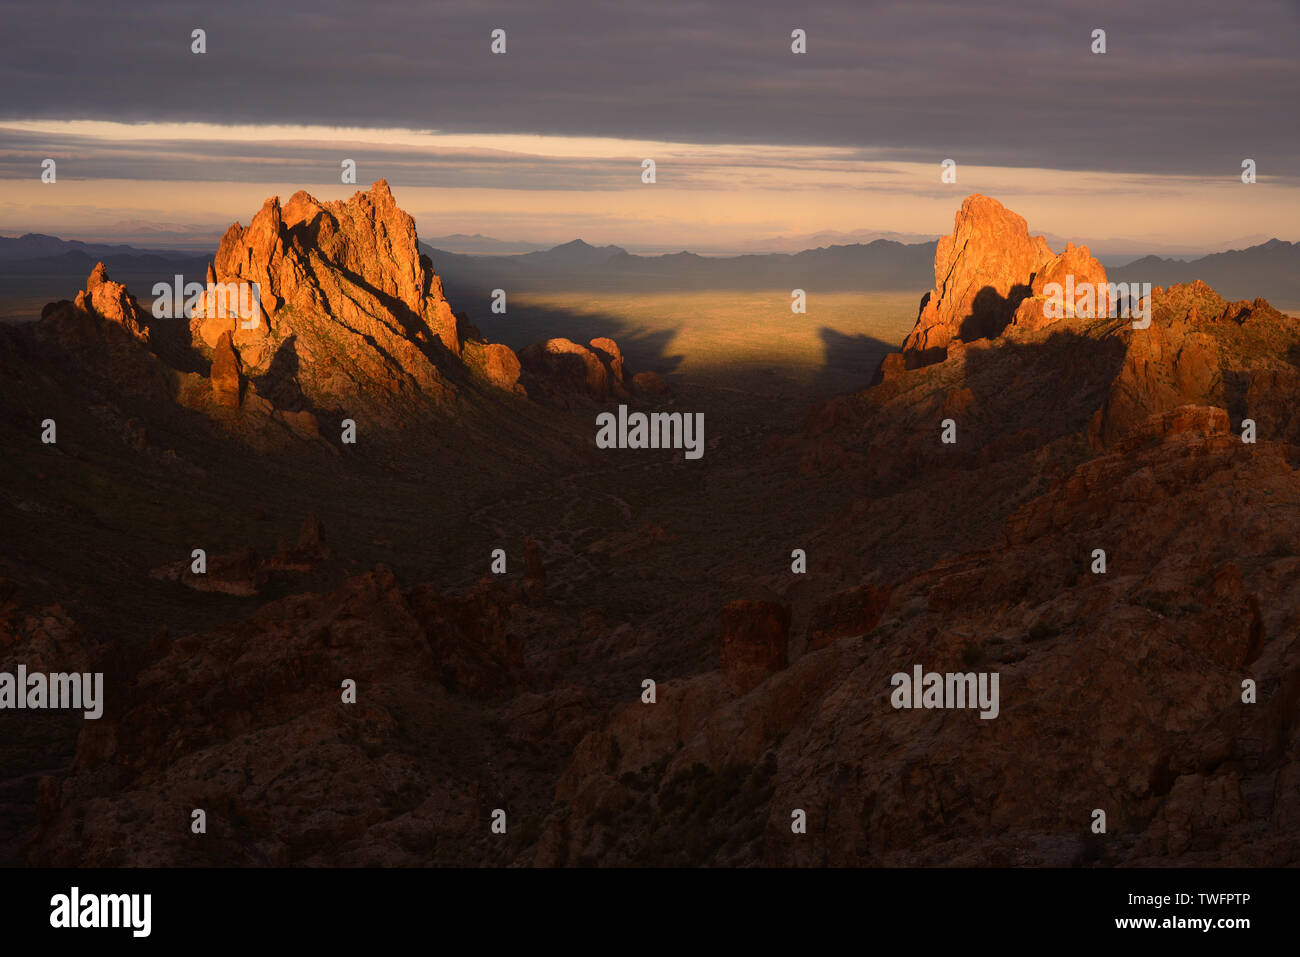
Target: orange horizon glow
x: 710, y: 195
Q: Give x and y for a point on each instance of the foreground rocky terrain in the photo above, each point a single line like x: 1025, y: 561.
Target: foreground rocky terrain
x: 1121, y: 686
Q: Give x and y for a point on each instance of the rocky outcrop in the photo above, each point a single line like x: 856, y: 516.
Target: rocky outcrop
x: 1079, y: 290
x: 106, y: 334
x: 854, y: 611
x: 1199, y: 349
x: 1196, y: 349
x: 350, y: 313
x: 227, y: 383
x: 43, y: 639
x: 306, y: 553
x: 982, y: 272
x: 610, y: 355
x: 562, y: 371
x: 111, y: 300
x: 754, y: 639
x: 352, y: 316
x: 991, y: 277
x: 499, y: 365
x: 240, y: 572
x: 246, y: 571
x: 329, y: 309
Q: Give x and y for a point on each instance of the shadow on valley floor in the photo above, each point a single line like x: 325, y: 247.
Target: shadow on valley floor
x: 849, y: 362
x: 746, y: 348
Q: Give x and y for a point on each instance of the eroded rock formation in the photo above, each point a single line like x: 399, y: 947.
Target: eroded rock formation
x: 982, y: 272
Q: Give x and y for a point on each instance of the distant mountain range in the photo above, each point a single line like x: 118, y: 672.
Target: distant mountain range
x: 878, y: 265
x: 1270, y: 269
x: 31, y: 246
x: 1111, y: 251
x: 829, y: 237
x: 478, y: 244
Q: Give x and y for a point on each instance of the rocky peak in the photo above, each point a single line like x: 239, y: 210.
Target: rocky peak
x: 371, y: 237
x: 982, y: 272
x: 109, y: 299
x: 350, y: 311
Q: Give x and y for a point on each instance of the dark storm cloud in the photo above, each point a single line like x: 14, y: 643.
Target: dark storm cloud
x: 1186, y: 87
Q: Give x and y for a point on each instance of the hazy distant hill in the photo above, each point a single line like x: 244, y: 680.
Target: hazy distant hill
x: 38, y: 246
x: 78, y: 263
x: 478, y: 244
x: 572, y: 255
x: 38, y: 269
x: 828, y: 237
x: 1271, y: 270
x: 878, y: 265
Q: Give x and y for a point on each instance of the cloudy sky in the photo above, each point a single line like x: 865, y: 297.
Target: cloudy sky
x: 1141, y: 144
